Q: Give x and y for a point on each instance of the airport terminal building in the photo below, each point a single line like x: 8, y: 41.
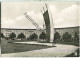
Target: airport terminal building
x: 27, y: 32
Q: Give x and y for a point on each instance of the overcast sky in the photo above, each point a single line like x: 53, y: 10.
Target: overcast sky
x: 64, y: 14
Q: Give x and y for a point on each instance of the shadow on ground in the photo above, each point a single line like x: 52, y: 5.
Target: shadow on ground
x: 75, y: 54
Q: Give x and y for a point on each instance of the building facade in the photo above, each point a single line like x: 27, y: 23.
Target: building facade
x: 27, y: 32
x: 70, y: 30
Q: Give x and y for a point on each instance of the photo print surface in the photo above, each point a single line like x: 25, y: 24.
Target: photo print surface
x: 40, y: 29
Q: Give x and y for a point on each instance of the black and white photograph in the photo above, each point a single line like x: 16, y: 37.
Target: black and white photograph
x: 40, y: 29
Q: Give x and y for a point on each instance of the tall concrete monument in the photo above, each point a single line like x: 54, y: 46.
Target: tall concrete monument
x: 49, y: 24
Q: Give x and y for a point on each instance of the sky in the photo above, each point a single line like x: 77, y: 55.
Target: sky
x: 64, y: 14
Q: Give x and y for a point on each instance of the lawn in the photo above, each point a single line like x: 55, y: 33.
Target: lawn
x: 7, y: 47
x: 69, y: 43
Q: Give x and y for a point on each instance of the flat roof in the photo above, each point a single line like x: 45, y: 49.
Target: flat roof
x: 36, y: 29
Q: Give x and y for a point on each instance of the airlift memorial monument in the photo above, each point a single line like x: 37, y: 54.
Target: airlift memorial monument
x: 48, y: 23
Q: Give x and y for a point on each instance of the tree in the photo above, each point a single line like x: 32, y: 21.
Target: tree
x: 76, y: 36
x: 66, y: 37
x: 2, y: 35
x: 42, y: 36
x: 33, y: 36
x: 56, y: 36
x: 18, y: 37
x: 12, y: 36
x: 21, y: 36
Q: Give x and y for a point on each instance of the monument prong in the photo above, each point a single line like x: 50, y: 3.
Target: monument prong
x: 49, y: 24
x: 46, y: 6
x: 43, y: 9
